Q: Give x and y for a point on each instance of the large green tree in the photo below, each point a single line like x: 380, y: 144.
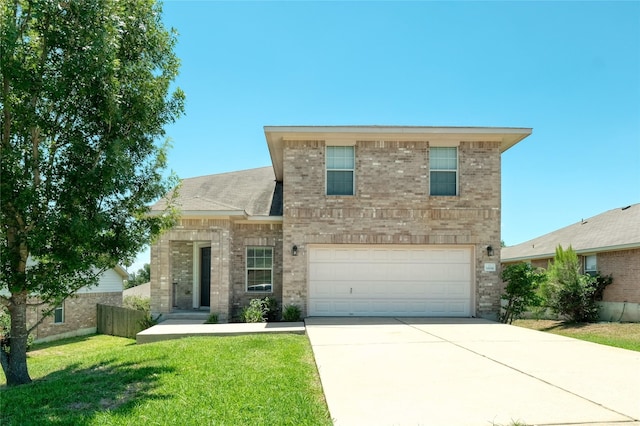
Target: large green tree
x: 86, y: 93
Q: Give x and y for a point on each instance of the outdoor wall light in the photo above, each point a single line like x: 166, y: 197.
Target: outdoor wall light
x: 489, y: 251
x: 294, y: 250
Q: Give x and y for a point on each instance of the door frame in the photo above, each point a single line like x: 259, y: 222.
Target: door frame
x: 197, y: 260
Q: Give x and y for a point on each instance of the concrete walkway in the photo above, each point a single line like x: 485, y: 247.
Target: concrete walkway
x: 175, y: 329
x: 386, y: 371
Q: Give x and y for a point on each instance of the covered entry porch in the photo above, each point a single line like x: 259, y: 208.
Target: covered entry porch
x: 190, y: 271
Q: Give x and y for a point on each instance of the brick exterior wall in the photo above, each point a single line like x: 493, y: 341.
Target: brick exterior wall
x: 392, y: 206
x: 624, y: 267
x: 79, y: 316
x: 182, y: 263
x: 165, y: 271
x: 249, y: 235
x: 172, y: 261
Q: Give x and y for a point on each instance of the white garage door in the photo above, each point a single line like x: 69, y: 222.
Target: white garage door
x: 385, y: 281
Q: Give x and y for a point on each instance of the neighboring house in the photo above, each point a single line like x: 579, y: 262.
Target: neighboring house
x: 349, y: 220
x: 608, y: 243
x: 76, y: 316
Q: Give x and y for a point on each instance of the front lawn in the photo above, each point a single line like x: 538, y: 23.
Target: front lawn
x: 105, y: 380
x: 621, y: 335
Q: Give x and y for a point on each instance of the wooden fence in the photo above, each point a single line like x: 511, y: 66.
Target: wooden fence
x: 118, y: 321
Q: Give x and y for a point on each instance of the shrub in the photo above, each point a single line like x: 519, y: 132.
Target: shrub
x: 143, y: 304
x: 521, y: 290
x: 601, y: 282
x: 255, y: 312
x: 273, y: 312
x: 568, y: 292
x: 148, y: 321
x: 213, y: 319
x: 291, y: 313
x: 260, y: 310
x: 138, y: 303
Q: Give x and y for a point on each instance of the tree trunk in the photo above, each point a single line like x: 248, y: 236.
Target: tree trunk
x: 13, y: 353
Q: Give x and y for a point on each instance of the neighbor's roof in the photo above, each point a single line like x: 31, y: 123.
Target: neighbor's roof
x: 616, y: 229
x: 277, y: 135
x: 244, y: 193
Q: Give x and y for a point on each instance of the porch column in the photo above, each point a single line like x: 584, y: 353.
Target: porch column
x: 161, y: 287
x: 220, y: 274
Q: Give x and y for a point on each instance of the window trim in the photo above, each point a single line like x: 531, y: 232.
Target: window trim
x: 327, y: 170
x: 247, y: 269
x: 59, y: 308
x: 455, y: 171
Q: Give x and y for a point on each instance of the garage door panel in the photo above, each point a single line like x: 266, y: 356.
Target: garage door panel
x: 386, y: 281
x: 459, y: 289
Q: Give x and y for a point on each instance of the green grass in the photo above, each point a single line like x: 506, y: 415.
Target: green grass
x: 105, y: 380
x: 620, y: 335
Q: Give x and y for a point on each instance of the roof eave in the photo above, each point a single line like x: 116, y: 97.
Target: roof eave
x: 121, y: 271
x: 198, y: 214
x: 590, y: 250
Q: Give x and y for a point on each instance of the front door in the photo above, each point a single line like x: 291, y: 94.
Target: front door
x: 205, y: 275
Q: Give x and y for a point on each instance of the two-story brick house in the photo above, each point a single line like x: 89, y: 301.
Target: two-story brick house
x: 348, y: 221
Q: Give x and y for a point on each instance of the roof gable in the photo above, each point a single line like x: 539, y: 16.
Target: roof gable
x: 612, y: 230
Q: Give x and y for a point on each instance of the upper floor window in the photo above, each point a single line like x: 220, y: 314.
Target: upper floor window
x: 590, y: 264
x: 259, y: 269
x: 340, y: 170
x: 443, y: 168
x: 58, y: 314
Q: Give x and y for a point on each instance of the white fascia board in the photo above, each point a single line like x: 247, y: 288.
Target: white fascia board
x: 263, y: 219
x: 207, y: 213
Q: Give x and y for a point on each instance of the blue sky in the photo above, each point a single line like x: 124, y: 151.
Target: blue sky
x: 570, y: 70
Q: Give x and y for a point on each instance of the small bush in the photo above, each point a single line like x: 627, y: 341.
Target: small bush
x: 213, y: 319
x: 143, y: 304
x: 602, y: 281
x: 260, y: 310
x: 291, y: 313
x: 148, y: 321
x: 273, y: 312
x: 255, y: 312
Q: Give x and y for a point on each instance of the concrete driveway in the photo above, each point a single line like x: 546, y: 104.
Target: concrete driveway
x: 406, y: 371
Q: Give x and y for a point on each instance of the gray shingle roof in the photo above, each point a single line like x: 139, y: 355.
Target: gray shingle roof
x: 249, y: 191
x: 612, y: 230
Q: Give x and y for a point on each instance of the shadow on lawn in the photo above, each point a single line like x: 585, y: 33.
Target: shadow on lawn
x: 75, y: 395
x: 561, y: 325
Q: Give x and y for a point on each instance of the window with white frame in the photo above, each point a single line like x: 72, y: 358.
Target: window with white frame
x: 340, y: 163
x: 590, y: 264
x: 58, y: 314
x: 259, y: 269
x: 443, y: 171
